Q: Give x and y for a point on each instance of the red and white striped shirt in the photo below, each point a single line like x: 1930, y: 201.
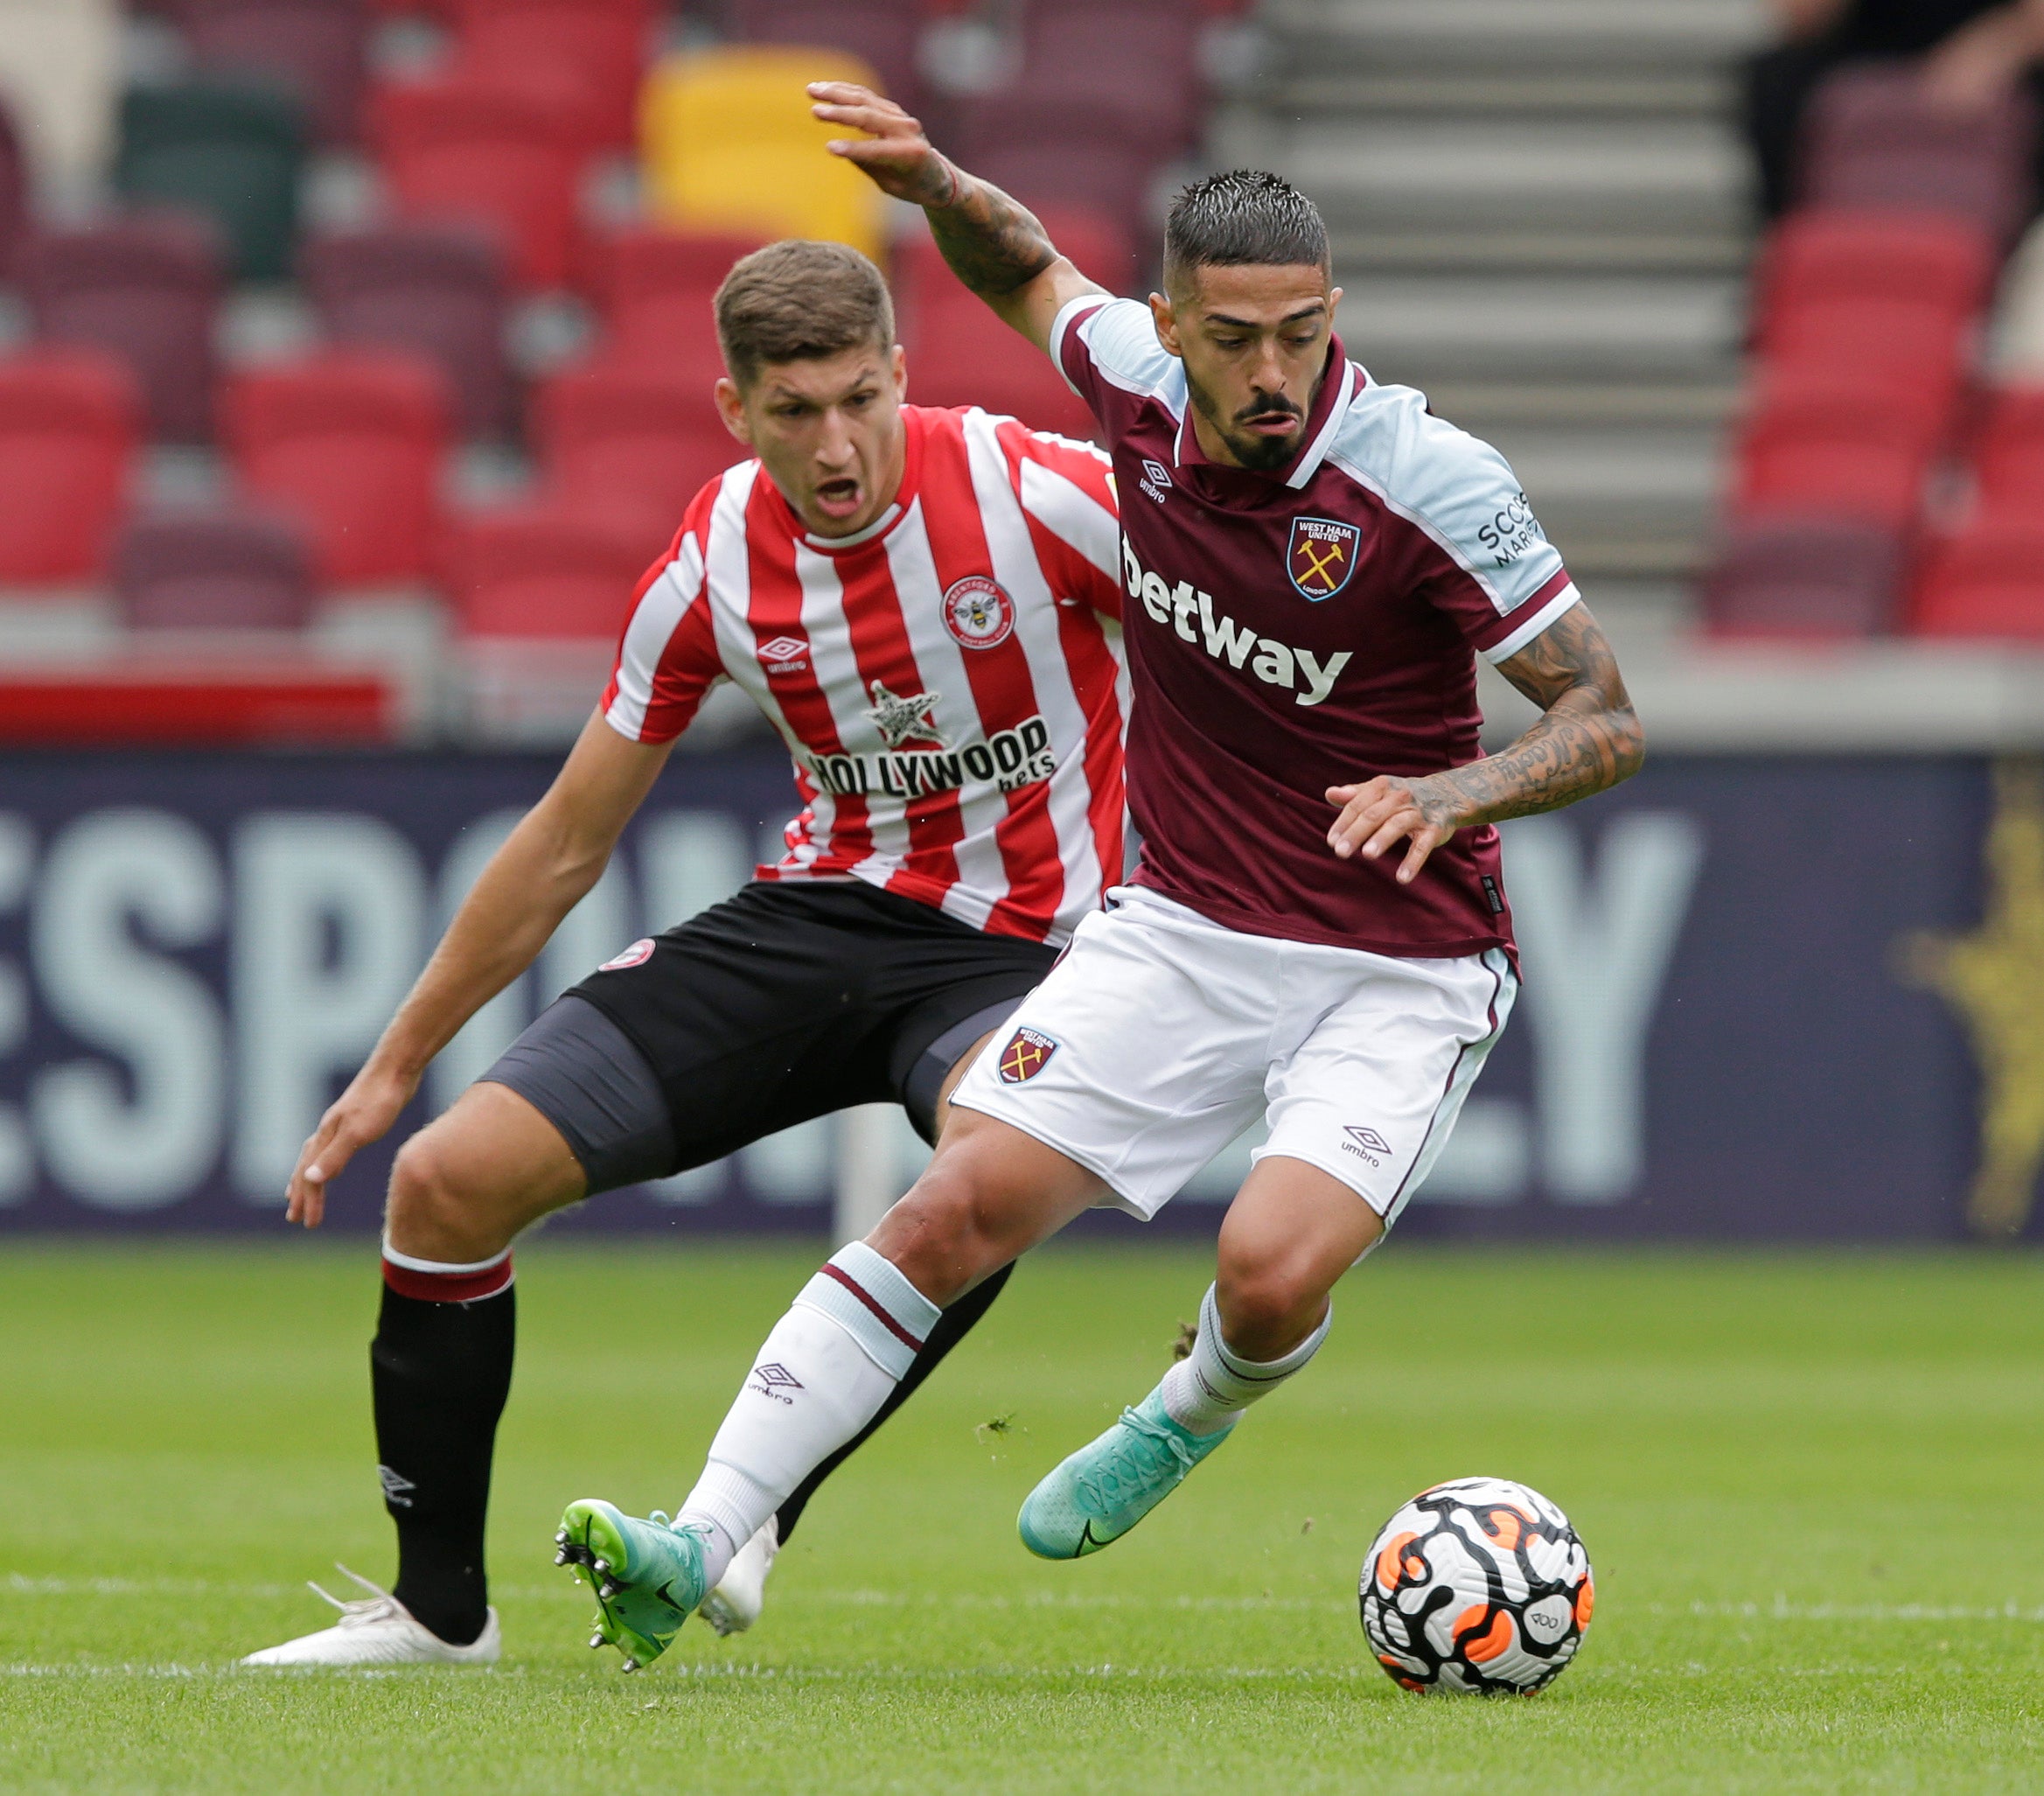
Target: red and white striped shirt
x: 949, y: 680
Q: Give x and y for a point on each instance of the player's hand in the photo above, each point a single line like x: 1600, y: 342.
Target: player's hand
x: 1381, y: 813
x: 362, y: 1114
x: 897, y: 154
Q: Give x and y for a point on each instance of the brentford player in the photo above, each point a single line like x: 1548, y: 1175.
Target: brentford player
x: 924, y: 603
x: 1318, y: 932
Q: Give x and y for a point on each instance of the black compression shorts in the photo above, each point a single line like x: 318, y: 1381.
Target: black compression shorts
x: 785, y: 1003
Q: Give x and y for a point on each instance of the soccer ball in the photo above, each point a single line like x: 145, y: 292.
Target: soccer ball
x: 1476, y: 1585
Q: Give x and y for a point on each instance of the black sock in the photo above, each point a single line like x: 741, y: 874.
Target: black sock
x: 440, y: 1373
x: 953, y: 1326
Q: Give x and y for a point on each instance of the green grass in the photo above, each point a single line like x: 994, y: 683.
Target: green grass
x: 1810, y: 1487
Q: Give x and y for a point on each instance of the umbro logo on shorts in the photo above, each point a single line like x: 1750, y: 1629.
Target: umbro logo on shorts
x: 1026, y: 1055
x: 1366, y: 1144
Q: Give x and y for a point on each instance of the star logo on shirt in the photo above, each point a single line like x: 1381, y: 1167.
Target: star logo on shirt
x: 900, y: 720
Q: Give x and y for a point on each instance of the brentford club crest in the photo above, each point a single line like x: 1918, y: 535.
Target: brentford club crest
x: 1026, y: 1055
x: 637, y: 956
x: 978, y: 613
x: 1321, y: 556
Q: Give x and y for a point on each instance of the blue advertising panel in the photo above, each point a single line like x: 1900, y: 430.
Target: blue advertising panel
x: 1770, y: 999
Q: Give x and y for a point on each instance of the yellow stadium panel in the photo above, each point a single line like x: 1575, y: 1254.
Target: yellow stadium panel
x: 729, y: 145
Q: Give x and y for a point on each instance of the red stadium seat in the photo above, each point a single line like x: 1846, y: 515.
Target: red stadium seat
x: 1822, y: 256
x: 436, y: 290
x: 1049, y: 173
x: 69, y: 419
x: 1873, y: 138
x: 2009, y: 459
x: 468, y: 149
x: 657, y: 289
x: 213, y: 570
x: 883, y: 33
x: 1874, y: 338
x: 1125, y: 69
x: 144, y: 289
x: 1842, y: 402
x: 316, y: 45
x: 1803, y: 577
x: 352, y: 443
x: 1871, y: 467
x: 546, y: 572
x: 1988, y: 582
x: 959, y: 353
x: 626, y: 444
x: 586, y: 57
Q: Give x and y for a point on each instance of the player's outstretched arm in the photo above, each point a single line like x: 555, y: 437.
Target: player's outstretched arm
x: 545, y: 867
x: 995, y: 245
x: 1586, y: 740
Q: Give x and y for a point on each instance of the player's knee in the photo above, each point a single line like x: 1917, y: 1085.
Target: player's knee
x: 434, y: 1209
x: 1269, y: 1301
x: 944, y: 1235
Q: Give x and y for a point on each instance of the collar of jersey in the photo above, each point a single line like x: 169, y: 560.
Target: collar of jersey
x: 1330, y: 405
x: 905, y: 500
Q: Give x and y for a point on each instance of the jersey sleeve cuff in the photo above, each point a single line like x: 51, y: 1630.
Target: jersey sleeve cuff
x: 1537, y: 619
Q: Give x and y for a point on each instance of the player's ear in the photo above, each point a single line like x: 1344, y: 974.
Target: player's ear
x: 731, y: 408
x: 1167, y: 323
x: 898, y: 364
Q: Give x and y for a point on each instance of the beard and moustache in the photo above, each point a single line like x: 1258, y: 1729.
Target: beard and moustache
x: 1265, y: 454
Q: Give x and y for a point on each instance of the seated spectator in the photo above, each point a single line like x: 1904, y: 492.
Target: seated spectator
x: 1972, y: 52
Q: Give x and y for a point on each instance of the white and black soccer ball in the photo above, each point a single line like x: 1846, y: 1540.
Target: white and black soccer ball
x: 1479, y: 1585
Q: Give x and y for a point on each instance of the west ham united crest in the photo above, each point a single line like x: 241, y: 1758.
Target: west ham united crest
x: 1026, y: 1055
x: 1321, y: 556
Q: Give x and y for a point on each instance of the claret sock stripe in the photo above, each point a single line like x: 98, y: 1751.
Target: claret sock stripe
x: 869, y: 1298
x: 1212, y: 1385
x: 439, y: 1281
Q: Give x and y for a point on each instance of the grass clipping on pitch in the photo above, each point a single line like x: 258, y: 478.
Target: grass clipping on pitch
x: 1809, y: 1487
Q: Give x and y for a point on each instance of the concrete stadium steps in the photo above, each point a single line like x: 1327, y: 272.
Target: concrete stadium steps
x: 1540, y: 213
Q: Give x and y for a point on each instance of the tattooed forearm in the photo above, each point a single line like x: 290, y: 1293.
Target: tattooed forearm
x: 993, y: 244
x: 1586, y: 740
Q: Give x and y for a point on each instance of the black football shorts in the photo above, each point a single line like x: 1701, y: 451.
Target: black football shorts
x: 786, y: 1002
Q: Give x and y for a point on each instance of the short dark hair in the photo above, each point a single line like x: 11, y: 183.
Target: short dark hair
x: 1244, y: 218
x: 800, y: 301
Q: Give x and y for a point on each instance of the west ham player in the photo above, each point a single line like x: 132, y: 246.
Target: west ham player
x: 1310, y: 560
x: 924, y: 604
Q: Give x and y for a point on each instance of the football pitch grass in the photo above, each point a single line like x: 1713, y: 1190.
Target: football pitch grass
x: 1811, y: 1486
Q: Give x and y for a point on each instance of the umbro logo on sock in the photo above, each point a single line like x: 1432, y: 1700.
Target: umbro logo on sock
x: 396, y: 1487
x: 772, y: 1379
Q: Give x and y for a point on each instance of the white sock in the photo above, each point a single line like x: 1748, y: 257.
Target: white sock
x: 1212, y: 1385
x: 829, y: 1366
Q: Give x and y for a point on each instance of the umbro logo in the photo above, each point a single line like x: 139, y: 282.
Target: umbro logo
x: 773, y: 1380
x: 397, y: 1488
x: 1366, y: 1144
x: 1156, y: 480
x: 784, y: 655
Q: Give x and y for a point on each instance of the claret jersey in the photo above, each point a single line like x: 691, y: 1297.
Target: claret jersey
x: 948, y: 681
x: 1311, y: 627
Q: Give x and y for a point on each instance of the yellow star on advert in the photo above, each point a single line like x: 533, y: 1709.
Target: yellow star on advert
x: 1993, y: 978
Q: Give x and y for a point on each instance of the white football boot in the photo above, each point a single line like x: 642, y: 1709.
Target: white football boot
x: 378, y: 1630
x: 736, y: 1602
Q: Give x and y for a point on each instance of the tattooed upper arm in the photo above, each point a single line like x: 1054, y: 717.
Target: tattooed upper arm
x: 1571, y: 653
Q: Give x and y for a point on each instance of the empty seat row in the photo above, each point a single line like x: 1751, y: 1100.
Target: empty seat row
x: 147, y: 288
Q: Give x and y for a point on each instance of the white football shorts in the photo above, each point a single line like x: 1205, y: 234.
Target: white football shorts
x: 1159, y: 1036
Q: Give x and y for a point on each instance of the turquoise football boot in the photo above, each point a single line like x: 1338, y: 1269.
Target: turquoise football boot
x: 1110, y: 1484
x: 648, y: 1576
